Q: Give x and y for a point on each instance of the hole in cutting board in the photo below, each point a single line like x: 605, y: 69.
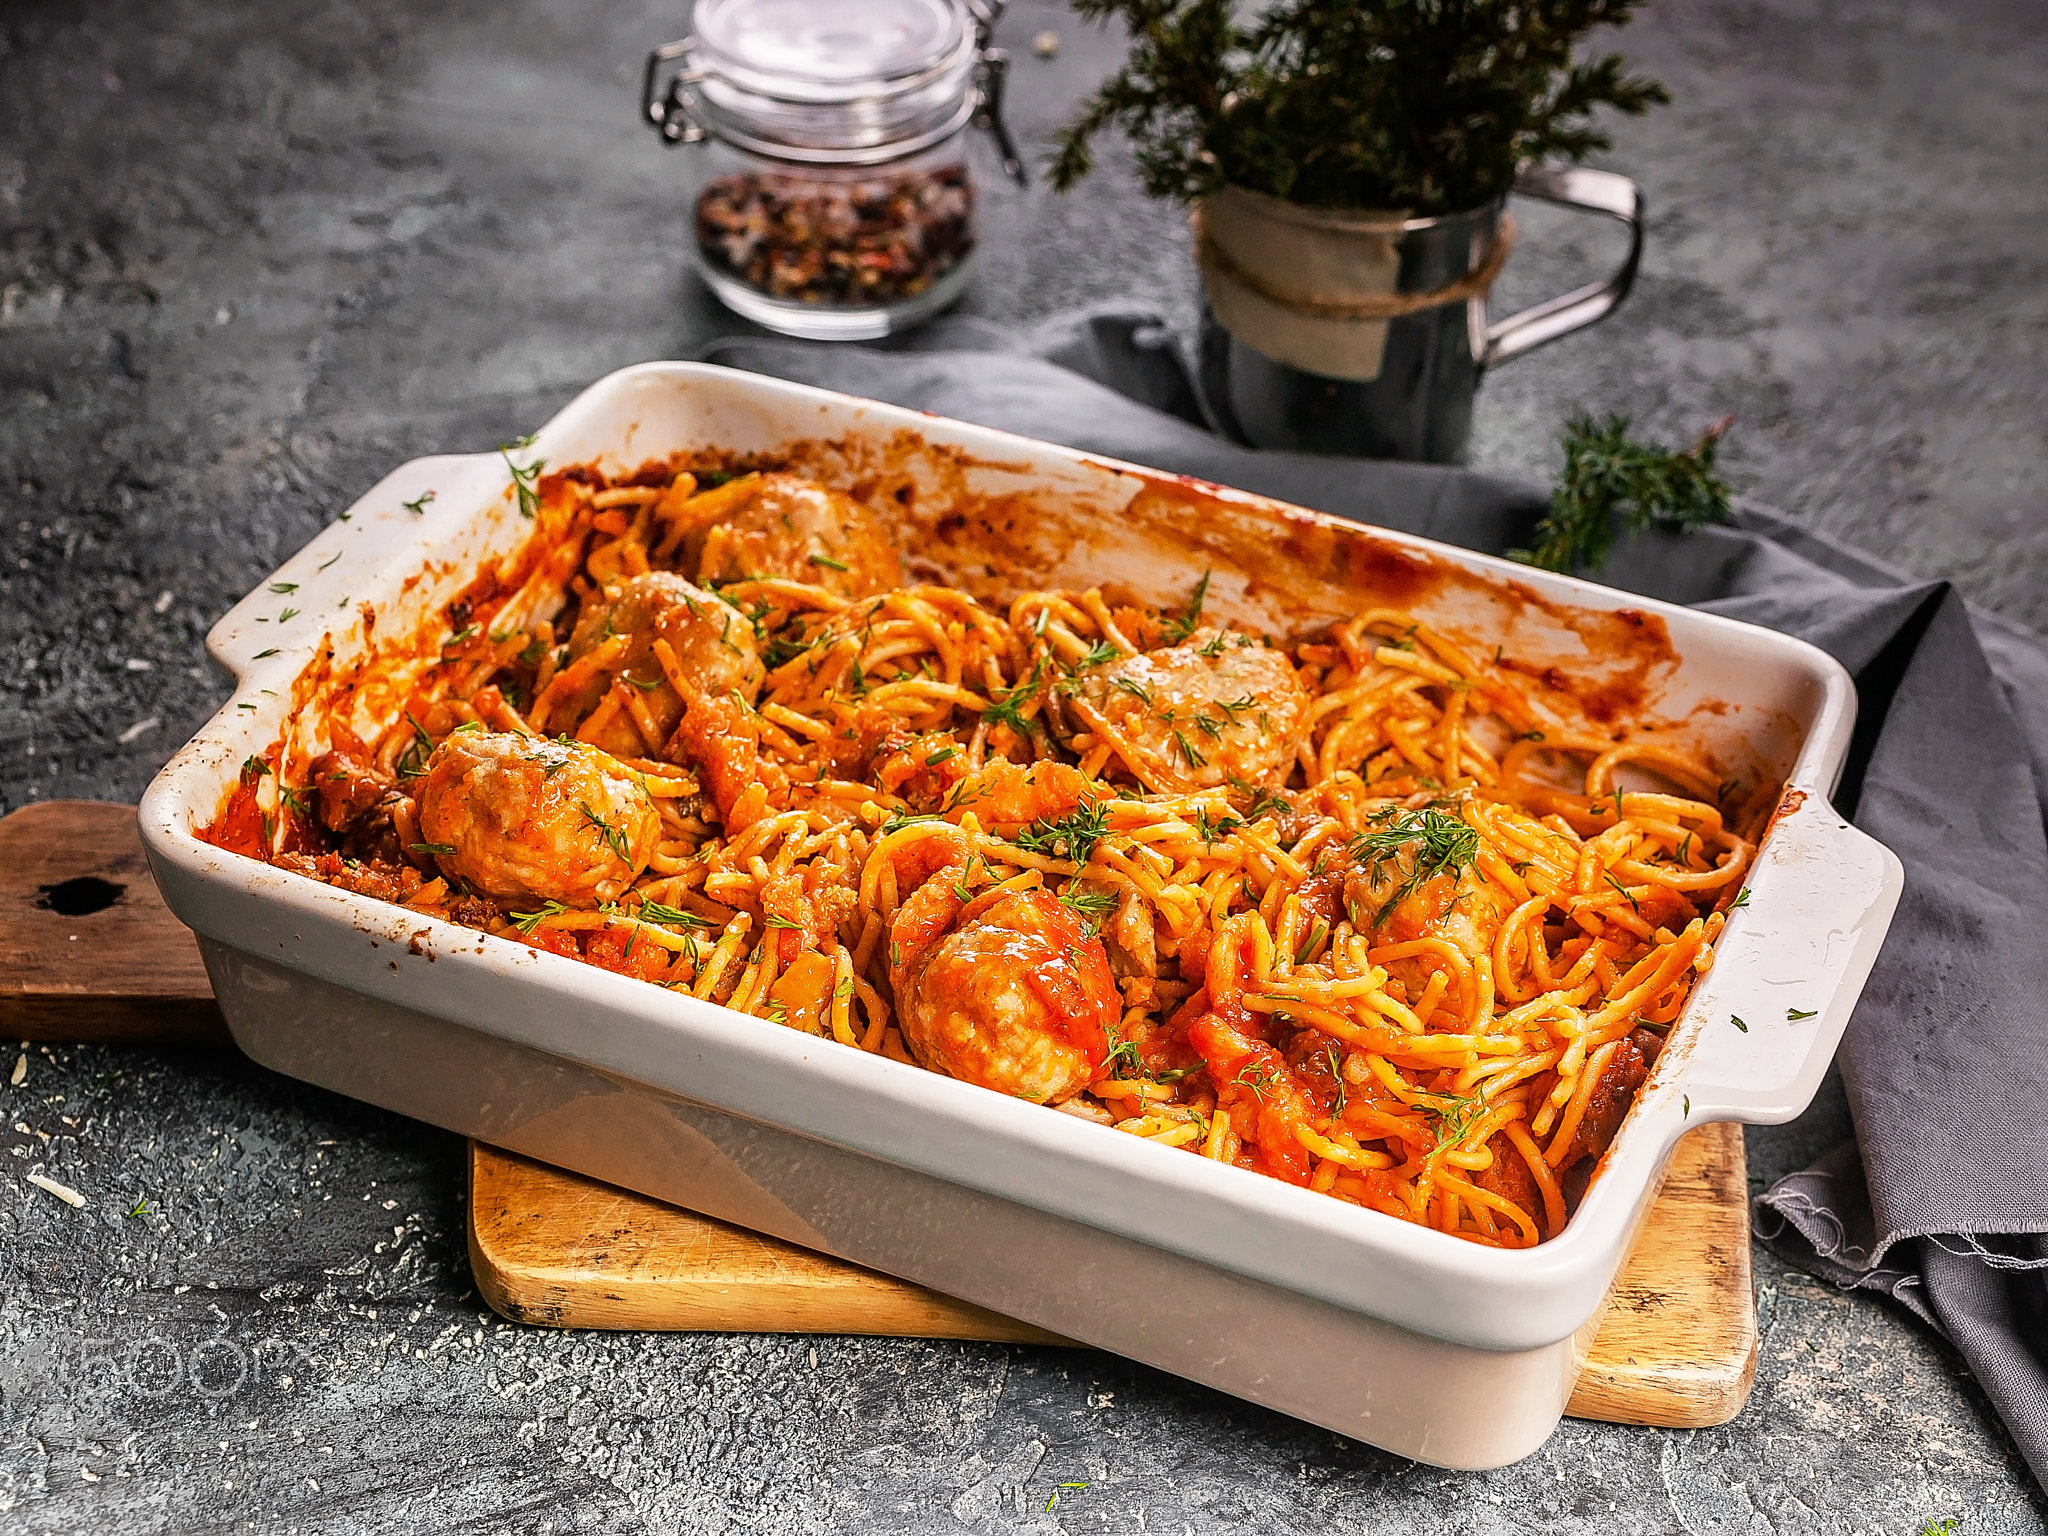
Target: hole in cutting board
x: 80, y: 897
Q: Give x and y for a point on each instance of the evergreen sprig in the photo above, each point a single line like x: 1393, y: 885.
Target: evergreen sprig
x: 1608, y: 479
x: 1427, y: 106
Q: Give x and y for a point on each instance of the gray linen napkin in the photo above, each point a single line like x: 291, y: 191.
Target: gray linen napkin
x: 1946, y: 1208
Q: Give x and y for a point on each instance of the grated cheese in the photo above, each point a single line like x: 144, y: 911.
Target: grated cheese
x: 64, y: 1192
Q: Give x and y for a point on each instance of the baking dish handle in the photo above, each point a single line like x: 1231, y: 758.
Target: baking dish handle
x: 1790, y: 965
x: 282, y: 621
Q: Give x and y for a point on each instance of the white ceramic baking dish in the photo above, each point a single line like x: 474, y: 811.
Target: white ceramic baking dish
x: 1435, y: 1348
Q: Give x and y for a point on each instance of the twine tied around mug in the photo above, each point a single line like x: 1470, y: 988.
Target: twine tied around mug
x: 1379, y: 306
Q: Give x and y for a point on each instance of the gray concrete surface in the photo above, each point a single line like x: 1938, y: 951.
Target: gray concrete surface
x: 253, y: 255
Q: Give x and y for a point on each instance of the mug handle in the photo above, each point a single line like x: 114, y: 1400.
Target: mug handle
x: 1573, y: 186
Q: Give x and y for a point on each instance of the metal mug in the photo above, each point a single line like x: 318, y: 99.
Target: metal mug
x: 1420, y: 405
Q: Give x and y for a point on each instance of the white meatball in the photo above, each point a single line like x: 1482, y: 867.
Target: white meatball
x: 524, y: 819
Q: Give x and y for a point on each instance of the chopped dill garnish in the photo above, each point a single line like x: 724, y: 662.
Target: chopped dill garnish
x: 1314, y: 942
x: 1072, y: 836
x: 528, y: 921
x: 613, y: 837
x: 1177, y: 630
x: 1215, y: 646
x: 1256, y: 1076
x: 1265, y: 804
x: 667, y: 916
x: 413, y: 761
x: 777, y: 920
x: 944, y: 754
x: 1101, y: 652
x: 1797, y: 1015
x: 1444, y: 845
x: 1337, y: 1077
x: 1455, y: 1116
x: 1624, y: 893
x: 1741, y: 899
x: 785, y: 648
x: 1187, y: 750
x: 1122, y: 1061
x: 828, y: 562
x: 526, y: 481
x: 255, y: 765
x: 1208, y: 831
x: 1134, y: 688
x: 1009, y: 709
x: 419, y: 503
x: 1090, y: 904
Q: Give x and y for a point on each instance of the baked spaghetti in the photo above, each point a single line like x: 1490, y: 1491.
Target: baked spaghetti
x: 1348, y: 909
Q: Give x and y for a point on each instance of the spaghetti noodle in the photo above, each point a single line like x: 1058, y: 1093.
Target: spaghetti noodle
x: 1348, y: 910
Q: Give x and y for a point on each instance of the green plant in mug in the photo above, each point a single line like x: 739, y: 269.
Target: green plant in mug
x: 1423, y: 105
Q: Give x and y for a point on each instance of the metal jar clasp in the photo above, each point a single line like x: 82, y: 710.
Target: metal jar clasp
x: 669, y: 115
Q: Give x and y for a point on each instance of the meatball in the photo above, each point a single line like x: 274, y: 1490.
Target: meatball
x: 1220, y: 708
x: 713, y: 641
x: 523, y: 819
x: 1011, y: 993
x: 1385, y: 897
x: 799, y: 529
x: 1458, y: 907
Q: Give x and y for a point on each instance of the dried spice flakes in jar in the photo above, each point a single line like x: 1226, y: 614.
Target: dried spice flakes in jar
x: 868, y: 241
x: 832, y: 193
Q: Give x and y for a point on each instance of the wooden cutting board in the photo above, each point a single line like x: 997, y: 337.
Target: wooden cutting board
x: 1677, y: 1348
x: 89, y: 952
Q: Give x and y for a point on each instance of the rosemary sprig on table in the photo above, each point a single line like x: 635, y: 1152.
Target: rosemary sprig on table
x: 1609, y: 478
